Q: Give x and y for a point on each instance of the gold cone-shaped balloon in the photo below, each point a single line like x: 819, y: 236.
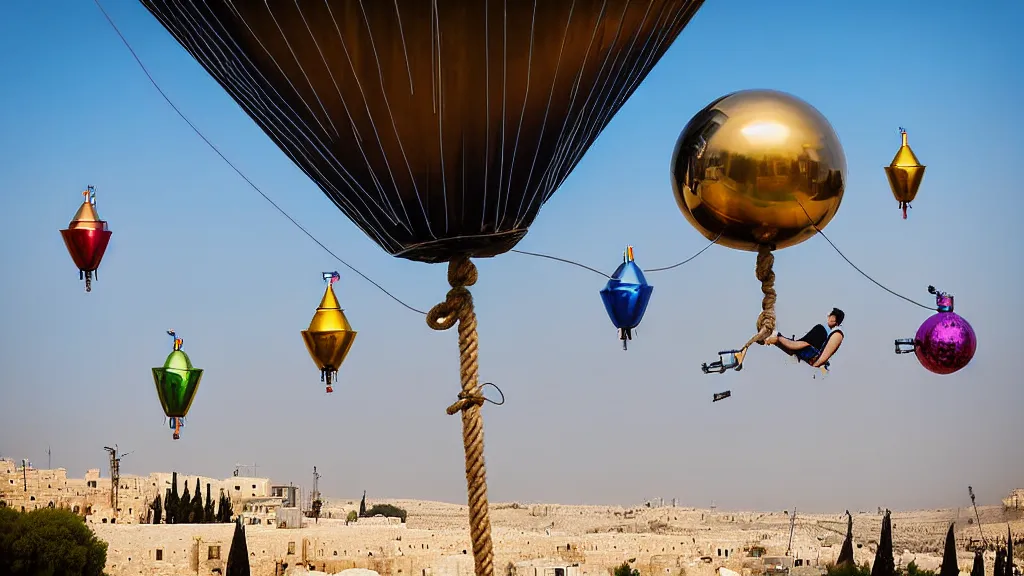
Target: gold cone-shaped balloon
x: 86, y: 217
x: 329, y: 337
x: 905, y: 174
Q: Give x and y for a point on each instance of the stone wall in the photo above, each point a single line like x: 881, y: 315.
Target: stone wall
x: 685, y: 545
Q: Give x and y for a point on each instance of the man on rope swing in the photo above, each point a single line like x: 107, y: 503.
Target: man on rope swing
x: 818, y: 345
x: 815, y: 348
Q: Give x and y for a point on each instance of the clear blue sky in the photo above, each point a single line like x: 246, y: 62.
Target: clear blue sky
x: 195, y: 249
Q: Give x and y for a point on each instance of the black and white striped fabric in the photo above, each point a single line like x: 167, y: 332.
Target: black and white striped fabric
x: 438, y: 127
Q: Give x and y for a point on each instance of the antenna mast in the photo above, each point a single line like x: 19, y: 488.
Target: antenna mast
x: 316, y: 504
x: 249, y: 468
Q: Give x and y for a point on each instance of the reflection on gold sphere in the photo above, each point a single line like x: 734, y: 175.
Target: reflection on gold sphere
x: 758, y: 167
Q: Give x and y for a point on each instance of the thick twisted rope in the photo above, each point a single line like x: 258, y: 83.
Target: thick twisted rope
x: 458, y: 307
x: 766, y: 319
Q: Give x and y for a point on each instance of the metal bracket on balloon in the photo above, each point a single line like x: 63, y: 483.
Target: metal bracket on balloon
x: 943, y: 300
x: 905, y: 345
x: 625, y: 334
x: 721, y: 396
x: 727, y: 360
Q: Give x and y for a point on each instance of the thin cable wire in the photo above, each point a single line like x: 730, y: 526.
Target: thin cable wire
x: 239, y: 172
x: 678, y: 264
x: 855, y: 267
x: 566, y: 260
x: 596, y: 271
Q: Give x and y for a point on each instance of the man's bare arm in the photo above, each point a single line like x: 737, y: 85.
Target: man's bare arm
x: 830, y: 348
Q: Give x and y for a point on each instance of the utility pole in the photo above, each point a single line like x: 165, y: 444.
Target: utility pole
x: 115, y: 475
x: 24, y: 472
x: 49, y: 460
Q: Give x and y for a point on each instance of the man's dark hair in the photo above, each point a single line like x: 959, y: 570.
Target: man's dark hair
x: 838, y: 314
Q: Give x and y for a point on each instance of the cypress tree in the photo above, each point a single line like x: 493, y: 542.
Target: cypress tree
x: 171, y: 502
x: 224, y: 511
x: 196, y: 511
x: 208, y: 510
x: 949, y: 564
x: 184, y: 507
x: 238, y: 556
x: 885, y: 564
x: 846, y: 552
x: 158, y: 509
x: 979, y: 564
x: 1008, y: 570
x: 1000, y: 567
x: 362, y: 505
x: 222, y: 506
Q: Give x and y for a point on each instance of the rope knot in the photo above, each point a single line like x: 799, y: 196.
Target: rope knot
x: 466, y: 400
x: 461, y: 273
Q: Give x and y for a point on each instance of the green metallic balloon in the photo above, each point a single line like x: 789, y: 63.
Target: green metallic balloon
x: 176, y: 384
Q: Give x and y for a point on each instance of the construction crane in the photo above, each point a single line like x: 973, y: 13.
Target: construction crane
x: 115, y: 474
x: 792, y: 524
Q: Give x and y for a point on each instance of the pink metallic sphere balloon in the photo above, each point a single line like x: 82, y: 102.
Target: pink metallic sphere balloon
x: 945, y: 343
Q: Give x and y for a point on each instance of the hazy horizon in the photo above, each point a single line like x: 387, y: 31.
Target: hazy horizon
x: 195, y: 249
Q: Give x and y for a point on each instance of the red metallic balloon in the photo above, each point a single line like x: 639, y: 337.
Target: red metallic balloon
x: 86, y: 238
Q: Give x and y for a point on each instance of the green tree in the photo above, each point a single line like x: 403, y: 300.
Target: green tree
x: 224, y: 511
x: 48, y: 541
x: 318, y: 504
x: 208, y: 510
x: 949, y: 565
x: 171, y: 502
x: 238, y: 556
x: 351, y: 517
x: 158, y: 509
x: 387, y: 510
x: 1000, y: 566
x: 848, y: 569
x: 846, y: 552
x: 625, y: 569
x: 196, y: 513
x: 885, y: 563
x: 362, y: 505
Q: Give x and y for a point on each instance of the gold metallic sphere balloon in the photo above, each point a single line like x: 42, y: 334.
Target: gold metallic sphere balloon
x: 758, y: 167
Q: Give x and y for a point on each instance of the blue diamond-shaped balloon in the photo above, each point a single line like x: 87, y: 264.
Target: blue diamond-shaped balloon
x: 626, y: 296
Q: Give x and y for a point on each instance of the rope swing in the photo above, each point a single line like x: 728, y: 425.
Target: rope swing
x: 458, y: 307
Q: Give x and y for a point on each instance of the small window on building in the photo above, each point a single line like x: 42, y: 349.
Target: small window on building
x: 213, y: 552
x: 291, y: 547
x: 559, y: 571
x: 159, y: 554
x: 253, y: 486
x: 32, y: 498
x: 237, y: 488
x: 727, y: 553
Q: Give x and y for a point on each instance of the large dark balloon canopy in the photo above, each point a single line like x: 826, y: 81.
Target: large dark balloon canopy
x: 438, y: 127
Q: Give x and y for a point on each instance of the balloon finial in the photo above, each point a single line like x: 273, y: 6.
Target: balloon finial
x: 177, y: 341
